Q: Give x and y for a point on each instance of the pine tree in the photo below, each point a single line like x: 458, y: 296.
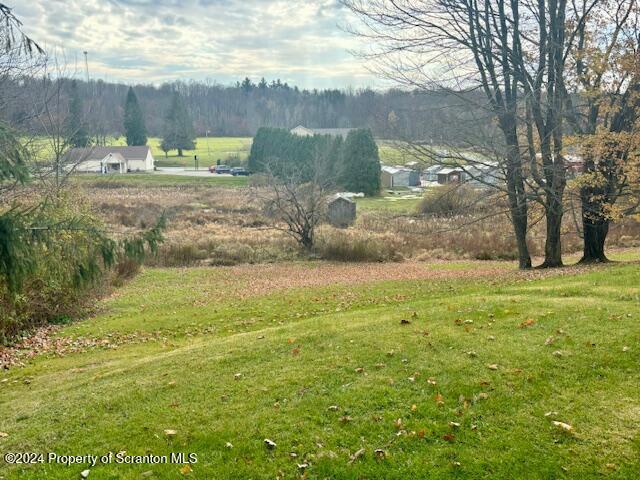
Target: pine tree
x: 179, y: 134
x: 361, y: 164
x: 134, y: 126
x: 75, y: 129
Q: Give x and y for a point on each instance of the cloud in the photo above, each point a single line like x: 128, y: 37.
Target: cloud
x: 152, y: 41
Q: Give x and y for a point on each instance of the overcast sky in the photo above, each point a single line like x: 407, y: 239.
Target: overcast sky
x: 151, y: 41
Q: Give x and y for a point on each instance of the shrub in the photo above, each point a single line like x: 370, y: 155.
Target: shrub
x: 452, y: 200
x: 345, y: 246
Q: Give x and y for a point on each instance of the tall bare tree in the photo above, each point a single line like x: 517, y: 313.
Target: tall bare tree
x: 515, y: 52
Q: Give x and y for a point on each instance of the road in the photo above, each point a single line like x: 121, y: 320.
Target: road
x: 187, y: 172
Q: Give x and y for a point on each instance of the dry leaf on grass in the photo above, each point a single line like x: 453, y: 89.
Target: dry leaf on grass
x: 563, y: 426
x: 356, y: 456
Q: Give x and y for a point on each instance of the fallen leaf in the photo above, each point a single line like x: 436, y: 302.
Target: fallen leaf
x: 85, y: 473
x: 380, y: 453
x: 404, y: 321
x: 228, y: 445
x: 492, y: 366
x: 421, y: 433
x: 3, y: 435
x: 527, y: 323
x: 345, y: 419
x: 414, y: 407
x: 449, y: 437
x: 170, y: 433
x: 398, y: 423
x: 295, y: 351
x: 302, y: 466
x: 563, y: 426
x: 625, y: 349
x: 439, y: 399
x: 359, y: 370
x: 237, y: 376
x: 454, y: 424
x: 356, y: 456
x: 333, y: 408
x: 558, y: 353
x: 270, y: 444
x: 549, y: 340
x: 186, y: 470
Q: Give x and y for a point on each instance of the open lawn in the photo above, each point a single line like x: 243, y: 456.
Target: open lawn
x: 391, y: 371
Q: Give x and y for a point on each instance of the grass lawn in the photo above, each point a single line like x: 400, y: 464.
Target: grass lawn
x: 157, y: 180
x: 324, y: 367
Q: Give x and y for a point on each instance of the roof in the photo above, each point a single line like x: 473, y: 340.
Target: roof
x: 98, y: 153
x: 433, y: 169
x: 334, y: 132
x: 115, y: 156
x: 338, y: 197
x: 396, y: 169
x: 447, y: 171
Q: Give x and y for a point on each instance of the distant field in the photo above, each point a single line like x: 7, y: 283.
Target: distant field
x: 229, y: 150
x: 209, y: 150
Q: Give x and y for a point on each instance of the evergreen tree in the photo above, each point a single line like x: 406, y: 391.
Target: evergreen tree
x: 361, y: 165
x: 134, y: 127
x: 179, y: 134
x: 75, y: 129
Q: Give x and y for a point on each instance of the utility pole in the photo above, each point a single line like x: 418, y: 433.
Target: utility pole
x: 86, y: 65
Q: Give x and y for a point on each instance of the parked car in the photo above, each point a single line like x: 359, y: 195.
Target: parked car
x: 239, y: 171
x: 223, y: 169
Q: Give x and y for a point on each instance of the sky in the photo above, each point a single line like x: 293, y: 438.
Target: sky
x: 301, y: 42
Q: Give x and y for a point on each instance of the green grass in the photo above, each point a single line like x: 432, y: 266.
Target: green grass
x: 208, y: 150
x: 225, y: 149
x: 390, y: 204
x: 298, y: 351
x: 157, y: 180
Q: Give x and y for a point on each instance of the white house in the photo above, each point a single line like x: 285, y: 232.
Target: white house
x: 309, y: 132
x: 110, y: 159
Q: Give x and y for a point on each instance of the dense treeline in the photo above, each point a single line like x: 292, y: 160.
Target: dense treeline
x: 351, y: 164
x: 241, y: 109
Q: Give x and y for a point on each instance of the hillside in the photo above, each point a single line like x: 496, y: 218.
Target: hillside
x: 370, y: 371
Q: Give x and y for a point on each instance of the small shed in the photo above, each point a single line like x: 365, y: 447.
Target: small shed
x: 341, y: 211
x: 398, y: 176
x: 450, y: 175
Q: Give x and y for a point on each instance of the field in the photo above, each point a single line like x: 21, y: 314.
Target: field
x: 367, y: 371
x: 229, y: 150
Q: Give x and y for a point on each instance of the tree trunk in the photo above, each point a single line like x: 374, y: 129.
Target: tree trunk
x: 553, y: 243
x: 520, y: 229
x: 595, y: 227
x: 595, y: 235
x: 180, y: 153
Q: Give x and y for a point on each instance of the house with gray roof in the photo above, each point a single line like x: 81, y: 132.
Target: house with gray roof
x: 110, y: 159
x: 309, y: 132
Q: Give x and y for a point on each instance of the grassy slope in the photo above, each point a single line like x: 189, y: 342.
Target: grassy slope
x: 314, y: 340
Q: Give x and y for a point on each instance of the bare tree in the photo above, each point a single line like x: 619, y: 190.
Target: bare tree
x: 295, y: 203
x: 602, y: 104
x: 514, y: 52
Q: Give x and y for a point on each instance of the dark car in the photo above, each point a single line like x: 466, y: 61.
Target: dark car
x: 223, y: 169
x: 239, y: 171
